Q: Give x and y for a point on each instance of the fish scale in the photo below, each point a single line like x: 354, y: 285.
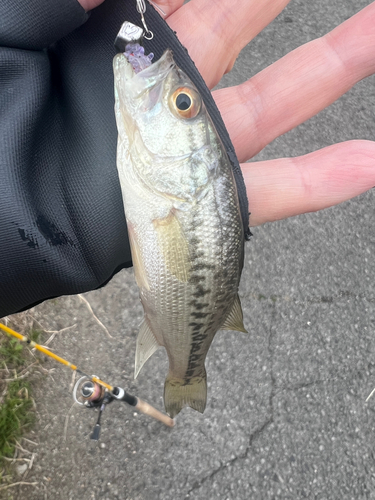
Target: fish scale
x: 184, y: 223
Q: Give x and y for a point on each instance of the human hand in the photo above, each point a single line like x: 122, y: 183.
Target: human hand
x: 305, y: 81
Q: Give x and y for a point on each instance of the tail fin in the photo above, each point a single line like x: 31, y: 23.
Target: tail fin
x: 179, y: 393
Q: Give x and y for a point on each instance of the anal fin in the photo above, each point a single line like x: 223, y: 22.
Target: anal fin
x: 179, y: 393
x: 234, y: 320
x: 146, y: 346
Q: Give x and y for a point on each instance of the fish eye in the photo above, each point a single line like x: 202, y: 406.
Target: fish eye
x: 185, y: 102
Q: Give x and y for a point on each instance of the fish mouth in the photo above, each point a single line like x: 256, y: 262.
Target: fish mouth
x: 146, y: 78
x: 141, y: 91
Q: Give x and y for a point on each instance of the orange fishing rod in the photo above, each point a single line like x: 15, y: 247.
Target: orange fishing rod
x: 95, y: 392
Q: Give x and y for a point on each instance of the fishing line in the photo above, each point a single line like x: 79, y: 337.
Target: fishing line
x: 95, y: 392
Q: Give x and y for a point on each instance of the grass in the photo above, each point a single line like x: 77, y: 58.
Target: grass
x: 16, y: 403
x: 15, y: 416
x: 11, y: 353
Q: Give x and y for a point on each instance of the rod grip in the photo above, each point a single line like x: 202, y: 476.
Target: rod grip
x: 147, y: 409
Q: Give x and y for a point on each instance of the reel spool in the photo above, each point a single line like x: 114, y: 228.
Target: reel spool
x: 88, y: 393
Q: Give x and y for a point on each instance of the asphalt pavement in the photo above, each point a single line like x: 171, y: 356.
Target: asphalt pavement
x: 286, y: 412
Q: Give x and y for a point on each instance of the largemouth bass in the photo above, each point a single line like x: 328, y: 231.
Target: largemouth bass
x: 184, y: 222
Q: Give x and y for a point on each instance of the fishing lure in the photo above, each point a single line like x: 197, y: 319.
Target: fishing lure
x: 131, y: 34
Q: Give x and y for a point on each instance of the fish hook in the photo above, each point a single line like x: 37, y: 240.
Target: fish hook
x: 141, y: 8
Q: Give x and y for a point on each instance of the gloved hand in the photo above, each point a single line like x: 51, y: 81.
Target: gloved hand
x: 62, y: 224
x: 61, y: 217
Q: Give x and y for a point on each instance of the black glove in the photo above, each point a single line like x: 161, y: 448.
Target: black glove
x: 62, y: 227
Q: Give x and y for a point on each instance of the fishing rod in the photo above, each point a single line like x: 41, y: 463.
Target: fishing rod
x: 94, y: 392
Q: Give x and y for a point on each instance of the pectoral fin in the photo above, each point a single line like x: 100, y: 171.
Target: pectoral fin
x: 145, y: 348
x: 139, y: 268
x: 173, y: 246
x: 234, y: 319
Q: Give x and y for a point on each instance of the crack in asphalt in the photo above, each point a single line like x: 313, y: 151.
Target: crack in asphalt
x: 257, y: 432
x: 301, y: 385
x: 244, y: 455
x: 341, y: 296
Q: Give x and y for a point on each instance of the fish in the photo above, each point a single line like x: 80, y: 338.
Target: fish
x: 184, y: 223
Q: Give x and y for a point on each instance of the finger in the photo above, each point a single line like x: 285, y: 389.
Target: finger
x: 299, y: 85
x: 215, y: 31
x: 166, y: 7
x: 90, y: 4
x: 281, y: 188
